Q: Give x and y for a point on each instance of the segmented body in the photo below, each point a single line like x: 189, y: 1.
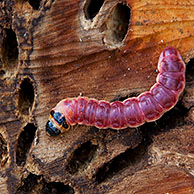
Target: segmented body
x: 132, y: 112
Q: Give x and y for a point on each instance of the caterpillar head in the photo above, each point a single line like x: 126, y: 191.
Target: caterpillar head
x: 56, y: 124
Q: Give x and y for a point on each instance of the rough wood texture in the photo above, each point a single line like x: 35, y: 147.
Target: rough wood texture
x: 53, y: 49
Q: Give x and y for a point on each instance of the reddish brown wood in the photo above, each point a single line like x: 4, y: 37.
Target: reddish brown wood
x: 51, y: 50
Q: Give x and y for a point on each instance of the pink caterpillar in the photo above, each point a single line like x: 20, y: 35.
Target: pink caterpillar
x: 132, y: 112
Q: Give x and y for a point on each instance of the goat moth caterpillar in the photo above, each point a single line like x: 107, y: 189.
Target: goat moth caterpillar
x: 132, y: 112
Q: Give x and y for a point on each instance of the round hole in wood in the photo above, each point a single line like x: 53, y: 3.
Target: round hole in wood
x: 38, y: 184
x: 2, y: 72
x: 117, y: 24
x: 35, y: 4
x: 24, y: 143
x: 26, y: 96
x: 9, y: 51
x: 92, y: 8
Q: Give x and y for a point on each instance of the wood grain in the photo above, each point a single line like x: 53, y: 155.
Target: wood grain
x: 56, y: 52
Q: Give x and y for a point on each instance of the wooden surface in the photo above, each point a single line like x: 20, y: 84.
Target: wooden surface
x: 51, y: 50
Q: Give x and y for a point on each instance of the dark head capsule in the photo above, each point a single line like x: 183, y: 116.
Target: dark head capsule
x: 60, y: 119
x: 56, y: 124
x: 51, y: 129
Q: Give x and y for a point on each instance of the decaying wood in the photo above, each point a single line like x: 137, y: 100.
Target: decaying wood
x: 53, y: 49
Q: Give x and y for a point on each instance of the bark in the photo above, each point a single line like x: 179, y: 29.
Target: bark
x: 54, y: 49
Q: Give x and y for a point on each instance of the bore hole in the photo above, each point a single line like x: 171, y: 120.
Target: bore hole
x: 170, y: 120
x: 28, y: 184
x: 35, y: 4
x: 122, y: 98
x: 190, y: 70
x: 37, y: 184
x: 81, y: 157
x: 9, y: 50
x: 2, y: 72
x: 57, y: 187
x: 118, y: 23
x: 132, y: 159
x: 26, y: 96
x: 92, y: 8
x: 3, y: 151
x: 173, y: 118
x: 24, y: 143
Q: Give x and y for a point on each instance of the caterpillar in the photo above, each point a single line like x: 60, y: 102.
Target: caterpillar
x: 132, y: 112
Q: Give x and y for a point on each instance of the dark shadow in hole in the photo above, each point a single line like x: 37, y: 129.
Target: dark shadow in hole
x: 92, y: 7
x: 28, y: 184
x: 37, y: 184
x: 57, y: 188
x: 132, y: 159
x: 24, y: 143
x: 118, y: 23
x: 2, y: 72
x: 170, y: 120
x: 35, y: 4
x: 26, y: 96
x: 190, y: 70
x: 9, y: 50
x: 3, y: 151
x: 81, y: 157
x: 122, y: 98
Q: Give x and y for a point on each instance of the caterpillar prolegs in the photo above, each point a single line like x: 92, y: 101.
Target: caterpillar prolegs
x: 132, y: 112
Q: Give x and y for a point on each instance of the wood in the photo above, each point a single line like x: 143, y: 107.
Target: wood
x: 51, y: 50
